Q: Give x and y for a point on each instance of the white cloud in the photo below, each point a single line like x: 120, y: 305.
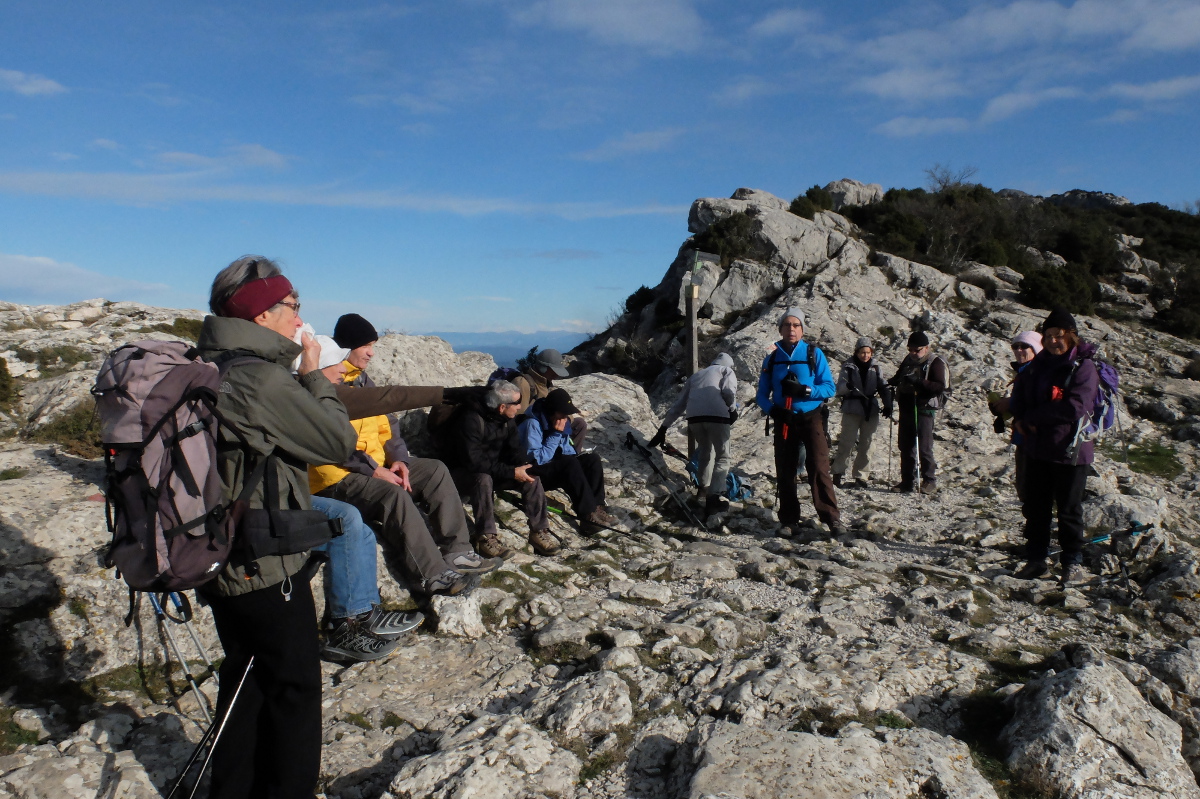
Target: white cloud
x: 104, y: 144
x: 744, y: 90
x: 650, y: 141
x: 1171, y: 26
x: 1159, y: 90
x: 785, y: 22
x: 64, y: 156
x: 28, y: 85
x: 239, y: 155
x: 1006, y: 105
x: 902, y: 127
x: 44, y: 279
x: 659, y: 26
x: 141, y: 189
x: 914, y: 83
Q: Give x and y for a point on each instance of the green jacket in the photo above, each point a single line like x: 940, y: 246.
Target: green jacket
x: 302, y: 420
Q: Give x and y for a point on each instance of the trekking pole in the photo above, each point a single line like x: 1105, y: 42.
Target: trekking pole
x: 917, y: 446
x: 214, y: 731
x: 162, y: 621
x: 633, y: 443
x: 891, y: 439
x: 184, y: 606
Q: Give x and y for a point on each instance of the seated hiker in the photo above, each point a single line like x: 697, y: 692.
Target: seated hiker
x: 537, y: 381
x: 709, y: 401
x: 378, y: 479
x: 544, y: 434
x: 483, y: 449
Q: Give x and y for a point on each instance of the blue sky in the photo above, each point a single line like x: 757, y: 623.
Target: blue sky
x: 502, y: 165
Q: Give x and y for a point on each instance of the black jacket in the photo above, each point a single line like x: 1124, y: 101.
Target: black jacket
x: 482, y: 441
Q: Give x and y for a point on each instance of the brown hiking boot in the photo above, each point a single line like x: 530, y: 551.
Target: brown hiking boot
x: 928, y: 487
x: 602, y: 517
x: 489, y: 546
x: 543, y: 542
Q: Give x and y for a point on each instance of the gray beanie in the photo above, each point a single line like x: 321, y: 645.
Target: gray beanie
x: 796, y: 312
x: 863, y: 342
x: 723, y: 360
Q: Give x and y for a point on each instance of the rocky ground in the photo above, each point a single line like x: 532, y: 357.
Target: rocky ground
x: 667, y: 660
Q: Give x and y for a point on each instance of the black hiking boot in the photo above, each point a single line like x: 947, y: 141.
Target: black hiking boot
x: 351, y: 641
x: 1034, y: 569
x: 715, y: 504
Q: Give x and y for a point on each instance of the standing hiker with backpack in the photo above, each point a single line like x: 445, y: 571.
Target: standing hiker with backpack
x: 1050, y: 398
x: 1025, y: 346
x: 792, y: 387
x: 263, y: 608
x: 709, y: 401
x: 922, y: 384
x: 860, y: 382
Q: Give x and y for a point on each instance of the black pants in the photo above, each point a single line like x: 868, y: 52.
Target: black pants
x: 915, y: 436
x: 479, y: 488
x: 1046, y: 485
x: 581, y: 476
x: 271, y: 746
x: 805, y: 433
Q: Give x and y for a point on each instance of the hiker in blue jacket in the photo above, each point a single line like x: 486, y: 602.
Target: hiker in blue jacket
x: 794, y: 383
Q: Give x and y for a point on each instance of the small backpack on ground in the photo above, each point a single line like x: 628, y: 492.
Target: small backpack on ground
x: 1093, y: 426
x: 735, y: 488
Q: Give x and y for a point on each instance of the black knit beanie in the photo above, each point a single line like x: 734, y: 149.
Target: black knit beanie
x: 917, y: 339
x: 352, y: 332
x: 1059, y: 318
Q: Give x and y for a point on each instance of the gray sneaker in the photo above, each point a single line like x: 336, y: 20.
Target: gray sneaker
x: 470, y: 563
x: 351, y: 641
x: 448, y: 583
x: 391, y: 623
x: 1074, y: 575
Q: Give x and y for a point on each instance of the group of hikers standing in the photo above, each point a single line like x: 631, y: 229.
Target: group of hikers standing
x: 303, y: 429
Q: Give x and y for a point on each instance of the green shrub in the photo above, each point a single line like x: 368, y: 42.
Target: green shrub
x: 802, y: 206
x: 12, y: 473
x: 184, y: 328
x: 811, y: 201
x: 76, y: 430
x: 732, y: 238
x: 53, y: 361
x: 8, y: 386
x: 638, y: 300
x: 1052, y: 287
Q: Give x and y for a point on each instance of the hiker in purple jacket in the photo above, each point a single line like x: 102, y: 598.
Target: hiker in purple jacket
x: 1050, y: 396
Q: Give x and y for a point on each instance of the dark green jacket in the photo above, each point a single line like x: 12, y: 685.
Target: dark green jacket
x: 302, y: 420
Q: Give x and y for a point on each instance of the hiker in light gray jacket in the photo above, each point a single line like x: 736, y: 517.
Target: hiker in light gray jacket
x: 858, y: 384
x: 709, y: 401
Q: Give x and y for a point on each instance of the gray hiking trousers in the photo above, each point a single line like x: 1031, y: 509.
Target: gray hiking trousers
x: 712, y: 451
x: 399, y: 522
x: 856, y: 430
x: 479, y: 489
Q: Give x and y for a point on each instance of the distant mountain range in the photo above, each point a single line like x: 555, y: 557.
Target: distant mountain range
x: 509, y: 345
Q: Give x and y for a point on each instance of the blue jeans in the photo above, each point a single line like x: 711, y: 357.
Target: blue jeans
x: 350, y: 577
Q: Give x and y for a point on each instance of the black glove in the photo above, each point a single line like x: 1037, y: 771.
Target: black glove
x: 461, y: 393
x: 660, y: 438
x: 780, y: 415
x: 733, y: 414
x: 998, y: 425
x: 796, y: 389
x: 888, y: 409
x: 912, y: 378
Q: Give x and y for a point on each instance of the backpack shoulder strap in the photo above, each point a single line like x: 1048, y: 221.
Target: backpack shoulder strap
x: 812, y: 359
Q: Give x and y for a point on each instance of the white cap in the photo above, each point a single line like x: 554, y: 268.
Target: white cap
x: 331, y: 353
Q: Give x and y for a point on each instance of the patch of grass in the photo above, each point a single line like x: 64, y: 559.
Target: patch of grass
x: 8, y: 387
x: 11, y: 734
x: 893, y: 721
x: 560, y: 654
x: 1153, y: 458
x: 53, y: 361
x: 983, y: 716
x: 77, y: 430
x: 358, y: 720
x: 390, y: 719
x: 154, y: 680
x: 886, y: 332
x: 184, y: 328
x: 13, y: 473
x: 78, y: 607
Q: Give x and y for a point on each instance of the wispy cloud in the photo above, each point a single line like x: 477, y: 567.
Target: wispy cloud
x: 37, y: 278
x: 786, y: 22
x: 238, y: 155
x: 914, y: 83
x: 903, y: 127
x: 140, y: 189
x: 27, y: 84
x: 746, y: 89
x: 657, y: 26
x: 59, y: 156
x: 650, y: 141
x: 1159, y: 90
x: 103, y: 144
x: 1006, y: 105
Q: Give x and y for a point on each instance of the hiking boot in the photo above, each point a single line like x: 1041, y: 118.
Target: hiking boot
x: 928, y: 487
x: 858, y: 482
x: 543, y: 542
x: 902, y: 488
x: 785, y: 531
x: 489, y: 546
x: 837, y: 480
x: 448, y: 583
x: 837, y: 528
x: 470, y: 563
x: 602, y: 517
x: 390, y: 623
x: 349, y: 640
x: 715, y: 504
x: 1073, y: 575
x: 1032, y: 570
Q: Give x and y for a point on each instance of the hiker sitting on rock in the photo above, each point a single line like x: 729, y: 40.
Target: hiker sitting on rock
x: 537, y: 381
x: 794, y: 383
x: 558, y: 463
x: 263, y: 610
x: 859, y: 382
x: 382, y: 479
x: 484, y: 451
x: 1050, y: 396
x: 921, y: 383
x: 709, y: 401
x: 1024, y: 347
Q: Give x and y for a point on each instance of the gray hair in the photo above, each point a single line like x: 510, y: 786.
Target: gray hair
x: 500, y: 393
x: 236, y: 275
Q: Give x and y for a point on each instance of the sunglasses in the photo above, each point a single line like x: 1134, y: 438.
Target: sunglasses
x: 1019, y: 347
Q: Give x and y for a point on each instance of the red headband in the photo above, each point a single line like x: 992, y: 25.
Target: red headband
x: 257, y: 296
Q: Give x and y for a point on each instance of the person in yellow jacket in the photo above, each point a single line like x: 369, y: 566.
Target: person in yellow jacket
x: 382, y: 479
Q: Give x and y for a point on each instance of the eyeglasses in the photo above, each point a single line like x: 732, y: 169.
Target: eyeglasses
x: 915, y: 350
x: 295, y: 306
x: 1019, y: 347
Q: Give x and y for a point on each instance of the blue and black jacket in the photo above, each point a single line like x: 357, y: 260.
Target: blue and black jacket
x: 811, y: 369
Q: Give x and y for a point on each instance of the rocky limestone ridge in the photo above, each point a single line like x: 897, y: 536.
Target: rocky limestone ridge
x: 902, y: 659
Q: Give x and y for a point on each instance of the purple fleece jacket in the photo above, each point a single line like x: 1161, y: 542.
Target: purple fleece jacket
x: 1050, y: 423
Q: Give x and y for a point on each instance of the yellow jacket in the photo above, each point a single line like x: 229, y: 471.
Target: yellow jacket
x: 373, y: 433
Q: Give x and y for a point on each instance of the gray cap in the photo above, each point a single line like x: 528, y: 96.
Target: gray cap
x: 863, y: 342
x: 723, y: 360
x: 552, y: 360
x: 796, y: 312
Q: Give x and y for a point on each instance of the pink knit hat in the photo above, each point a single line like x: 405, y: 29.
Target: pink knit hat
x: 1034, y: 340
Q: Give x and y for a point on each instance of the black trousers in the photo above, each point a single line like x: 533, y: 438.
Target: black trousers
x: 805, y: 433
x: 915, y: 436
x: 1047, y: 485
x: 271, y: 746
x: 581, y: 476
